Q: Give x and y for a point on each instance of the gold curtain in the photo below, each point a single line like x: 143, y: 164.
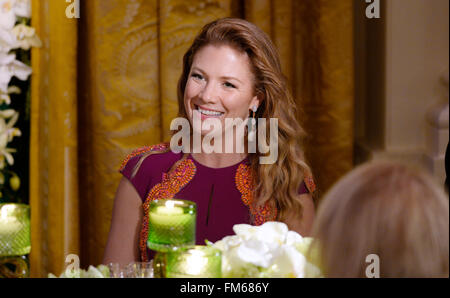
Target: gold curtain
x: 54, y: 140
x: 106, y: 83
x: 315, y: 42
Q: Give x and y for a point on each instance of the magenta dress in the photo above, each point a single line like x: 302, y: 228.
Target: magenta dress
x: 222, y: 195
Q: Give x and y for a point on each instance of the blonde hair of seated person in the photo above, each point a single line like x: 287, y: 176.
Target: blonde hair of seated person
x: 389, y: 209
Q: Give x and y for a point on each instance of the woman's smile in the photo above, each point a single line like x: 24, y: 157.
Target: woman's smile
x: 208, y: 112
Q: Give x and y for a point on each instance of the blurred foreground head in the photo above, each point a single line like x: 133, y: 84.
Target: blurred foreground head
x: 388, y: 209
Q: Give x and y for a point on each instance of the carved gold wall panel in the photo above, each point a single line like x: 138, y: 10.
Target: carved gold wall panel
x: 120, y: 106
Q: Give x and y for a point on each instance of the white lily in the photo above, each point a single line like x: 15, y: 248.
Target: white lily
x: 26, y: 37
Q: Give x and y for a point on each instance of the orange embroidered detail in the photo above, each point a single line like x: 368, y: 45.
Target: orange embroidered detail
x: 309, y: 182
x: 145, y: 149
x: 170, y: 185
x: 244, y: 184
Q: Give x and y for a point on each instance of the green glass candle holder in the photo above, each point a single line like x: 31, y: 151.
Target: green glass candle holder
x: 15, y: 238
x: 14, y: 267
x: 171, y: 223
x: 194, y: 262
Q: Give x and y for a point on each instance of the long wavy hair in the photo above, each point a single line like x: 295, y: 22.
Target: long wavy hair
x: 276, y: 184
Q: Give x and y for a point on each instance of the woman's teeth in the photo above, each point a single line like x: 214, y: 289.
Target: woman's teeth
x: 209, y: 113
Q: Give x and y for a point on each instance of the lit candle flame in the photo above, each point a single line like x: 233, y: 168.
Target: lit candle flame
x: 195, y: 262
x: 5, y: 211
x: 170, y: 204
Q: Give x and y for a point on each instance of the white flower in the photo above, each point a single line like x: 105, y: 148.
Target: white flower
x: 5, y: 98
x: 26, y: 37
x: 8, y: 40
x: 268, y: 232
x: 10, y: 67
x: 22, y: 8
x: 7, y: 133
x: 11, y: 9
x: 6, y: 153
x: 7, y: 14
x: 269, y: 250
x: 101, y: 271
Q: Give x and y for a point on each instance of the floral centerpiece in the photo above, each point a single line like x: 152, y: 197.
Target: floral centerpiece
x: 266, y: 251
x: 269, y: 250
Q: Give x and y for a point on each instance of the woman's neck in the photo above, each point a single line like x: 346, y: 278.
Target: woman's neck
x: 219, y: 160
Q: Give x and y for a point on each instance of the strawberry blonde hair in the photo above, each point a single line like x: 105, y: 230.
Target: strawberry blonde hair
x: 389, y: 209
x: 276, y: 184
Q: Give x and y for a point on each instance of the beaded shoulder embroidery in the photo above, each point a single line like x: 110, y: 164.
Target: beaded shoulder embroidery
x: 170, y: 185
x: 142, y: 150
x: 244, y: 183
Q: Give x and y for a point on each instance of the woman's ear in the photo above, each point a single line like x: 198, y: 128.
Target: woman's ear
x: 256, y: 101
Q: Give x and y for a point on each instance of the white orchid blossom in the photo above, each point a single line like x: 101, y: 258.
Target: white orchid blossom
x: 19, y: 36
x: 7, y: 133
x: 22, y: 8
x: 10, y: 67
x: 7, y: 14
x: 5, y: 98
x: 8, y: 40
x: 26, y: 37
x: 269, y: 250
x: 11, y: 9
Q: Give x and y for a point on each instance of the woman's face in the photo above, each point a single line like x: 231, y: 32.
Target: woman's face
x: 220, y: 85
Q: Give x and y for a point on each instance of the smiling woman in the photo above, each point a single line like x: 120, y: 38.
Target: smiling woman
x: 232, y: 70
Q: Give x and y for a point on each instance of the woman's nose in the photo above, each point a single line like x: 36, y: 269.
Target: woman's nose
x: 208, y: 93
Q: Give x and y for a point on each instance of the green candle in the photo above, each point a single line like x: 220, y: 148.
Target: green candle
x: 14, y: 229
x: 171, y: 222
x: 196, y: 261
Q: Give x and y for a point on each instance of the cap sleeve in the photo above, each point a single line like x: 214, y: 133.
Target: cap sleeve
x: 142, y: 179
x: 139, y: 181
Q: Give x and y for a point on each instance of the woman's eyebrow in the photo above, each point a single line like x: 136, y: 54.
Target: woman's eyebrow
x: 231, y: 78
x: 197, y: 69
